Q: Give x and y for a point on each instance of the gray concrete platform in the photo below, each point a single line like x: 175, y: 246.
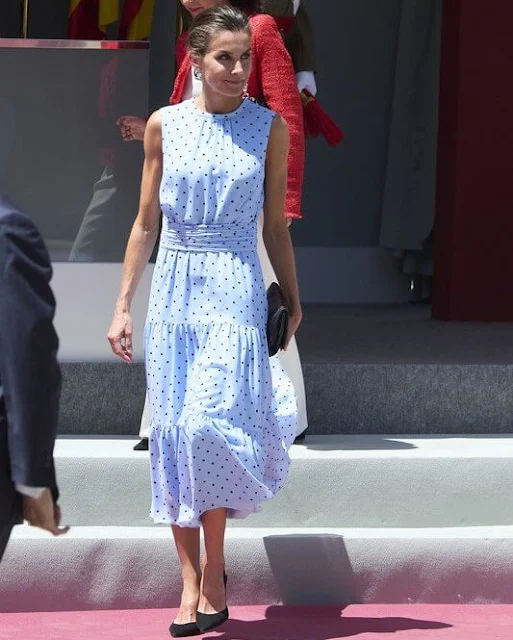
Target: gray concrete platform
x: 335, y: 481
x: 107, y: 398
x: 137, y: 567
x: 399, y: 334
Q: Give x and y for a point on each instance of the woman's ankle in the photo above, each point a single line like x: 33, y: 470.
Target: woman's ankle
x: 191, y: 577
x: 214, y: 566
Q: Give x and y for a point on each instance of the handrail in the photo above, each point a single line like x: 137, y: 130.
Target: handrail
x: 31, y: 43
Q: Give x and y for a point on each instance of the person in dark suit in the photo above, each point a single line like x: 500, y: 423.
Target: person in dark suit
x: 29, y: 378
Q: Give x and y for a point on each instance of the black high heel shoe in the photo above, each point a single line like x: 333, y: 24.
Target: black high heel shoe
x: 184, y: 630
x: 209, y: 621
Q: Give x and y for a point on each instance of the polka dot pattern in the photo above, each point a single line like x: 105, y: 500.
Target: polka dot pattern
x: 222, y: 413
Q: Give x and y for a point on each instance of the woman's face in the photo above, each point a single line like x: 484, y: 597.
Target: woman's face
x: 194, y: 7
x: 227, y: 64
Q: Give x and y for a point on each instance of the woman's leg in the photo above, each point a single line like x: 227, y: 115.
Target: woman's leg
x: 187, y: 541
x: 213, y: 594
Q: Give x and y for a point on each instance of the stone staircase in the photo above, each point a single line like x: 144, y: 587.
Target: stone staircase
x: 369, y: 519
x: 424, y: 516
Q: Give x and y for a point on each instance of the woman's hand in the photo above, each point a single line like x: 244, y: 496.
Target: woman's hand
x: 120, y: 335
x: 131, y: 127
x: 295, y: 317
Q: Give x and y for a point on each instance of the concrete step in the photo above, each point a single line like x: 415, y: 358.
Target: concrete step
x: 137, y: 567
x: 106, y: 398
x: 335, y: 481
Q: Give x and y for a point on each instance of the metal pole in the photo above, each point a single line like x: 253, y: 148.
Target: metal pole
x: 25, y: 18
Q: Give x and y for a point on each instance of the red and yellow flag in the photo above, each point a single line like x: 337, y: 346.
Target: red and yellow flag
x: 108, y: 13
x: 88, y: 19
x: 136, y: 20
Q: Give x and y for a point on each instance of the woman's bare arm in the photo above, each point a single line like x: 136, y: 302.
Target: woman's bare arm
x: 142, y: 239
x: 276, y: 234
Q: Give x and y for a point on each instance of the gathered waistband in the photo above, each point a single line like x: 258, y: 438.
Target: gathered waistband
x: 209, y: 237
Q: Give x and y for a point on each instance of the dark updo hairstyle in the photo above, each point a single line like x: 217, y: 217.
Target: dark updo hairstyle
x: 211, y: 22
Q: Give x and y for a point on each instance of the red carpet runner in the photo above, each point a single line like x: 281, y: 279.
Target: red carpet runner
x: 364, y: 622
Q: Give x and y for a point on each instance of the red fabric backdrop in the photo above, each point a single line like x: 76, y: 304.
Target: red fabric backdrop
x: 474, y: 220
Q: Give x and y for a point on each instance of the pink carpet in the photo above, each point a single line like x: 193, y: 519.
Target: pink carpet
x: 364, y: 622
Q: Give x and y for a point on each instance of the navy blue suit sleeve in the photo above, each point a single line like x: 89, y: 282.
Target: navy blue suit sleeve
x: 29, y: 371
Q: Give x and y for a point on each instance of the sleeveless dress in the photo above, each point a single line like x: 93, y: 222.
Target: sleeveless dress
x: 289, y: 359
x: 221, y: 421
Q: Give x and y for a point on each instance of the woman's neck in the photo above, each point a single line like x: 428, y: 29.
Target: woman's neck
x: 217, y: 103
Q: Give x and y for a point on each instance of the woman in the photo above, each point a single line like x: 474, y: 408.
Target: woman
x: 295, y: 26
x: 219, y: 432
x: 273, y: 82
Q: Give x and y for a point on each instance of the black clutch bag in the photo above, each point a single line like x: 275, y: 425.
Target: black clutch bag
x: 277, y: 319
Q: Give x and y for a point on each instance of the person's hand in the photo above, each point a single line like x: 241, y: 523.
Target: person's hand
x: 120, y: 335
x: 131, y: 127
x: 57, y: 513
x: 43, y: 513
x: 295, y: 317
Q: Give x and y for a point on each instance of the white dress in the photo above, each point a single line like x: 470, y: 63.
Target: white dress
x: 221, y: 423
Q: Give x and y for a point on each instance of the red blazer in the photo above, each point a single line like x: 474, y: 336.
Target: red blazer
x: 272, y: 80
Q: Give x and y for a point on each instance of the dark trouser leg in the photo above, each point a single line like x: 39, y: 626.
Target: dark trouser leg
x: 94, y: 241
x: 108, y: 220
x: 5, y: 532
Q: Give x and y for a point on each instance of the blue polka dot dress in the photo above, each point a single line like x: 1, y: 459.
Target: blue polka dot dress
x: 222, y: 413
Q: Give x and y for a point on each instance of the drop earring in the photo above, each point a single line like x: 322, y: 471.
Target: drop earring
x: 197, y: 73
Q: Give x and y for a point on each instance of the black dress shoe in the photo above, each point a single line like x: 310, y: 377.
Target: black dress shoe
x: 184, y: 630
x: 144, y: 445
x: 209, y: 621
